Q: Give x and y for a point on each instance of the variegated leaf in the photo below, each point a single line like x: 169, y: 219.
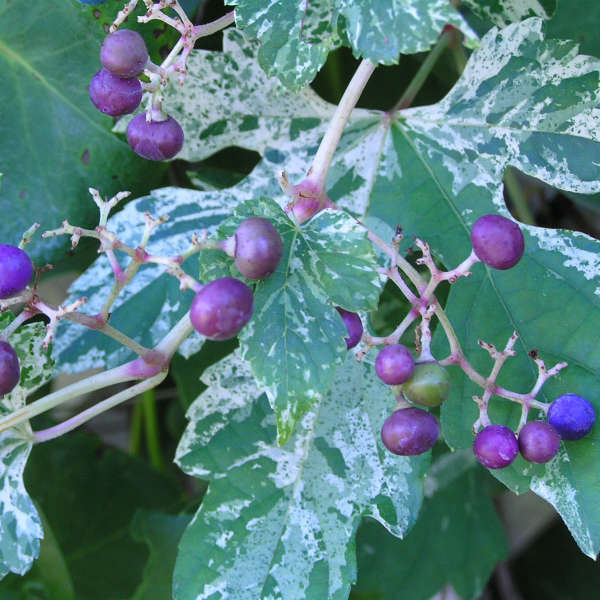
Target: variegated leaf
x: 505, y: 12
x: 279, y: 522
x: 20, y: 525
x: 296, y: 37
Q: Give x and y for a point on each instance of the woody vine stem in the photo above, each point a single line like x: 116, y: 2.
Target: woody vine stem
x: 151, y: 366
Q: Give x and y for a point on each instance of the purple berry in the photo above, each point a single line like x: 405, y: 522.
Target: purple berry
x: 353, y: 325
x: 394, y: 364
x: 497, y: 241
x: 258, y: 248
x: 409, y: 431
x: 221, y: 308
x: 572, y: 416
x: 10, y: 371
x: 429, y: 384
x: 114, y: 96
x: 538, y: 442
x: 124, y: 53
x: 496, y: 446
x: 155, y: 140
x: 15, y: 270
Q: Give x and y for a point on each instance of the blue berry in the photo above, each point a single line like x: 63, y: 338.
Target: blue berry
x: 410, y: 431
x: 353, y: 325
x: 10, y: 371
x: 394, y: 364
x: 538, y: 442
x: 155, y: 140
x: 572, y: 416
x: 497, y: 241
x: 258, y: 248
x: 124, y: 53
x: 496, y: 446
x: 114, y: 96
x: 16, y: 270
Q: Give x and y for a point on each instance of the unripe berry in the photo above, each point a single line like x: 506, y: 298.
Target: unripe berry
x: 124, y: 53
x: 221, y: 308
x: 497, y: 241
x: 429, y: 384
x: 114, y: 96
x: 353, y: 325
x: 155, y: 140
x: 410, y: 431
x: 538, y: 442
x: 572, y: 416
x: 15, y: 270
x: 496, y: 446
x: 394, y: 364
x: 258, y: 248
x: 10, y: 372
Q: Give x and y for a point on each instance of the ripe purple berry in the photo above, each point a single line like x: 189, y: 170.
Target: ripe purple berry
x: 572, y: 416
x: 10, y: 372
x: 15, y: 270
x: 496, y: 446
x: 538, y: 442
x: 428, y: 386
x: 114, y: 96
x: 353, y: 325
x: 155, y: 140
x: 221, y: 308
x: 497, y: 241
x: 258, y: 248
x: 394, y: 364
x: 409, y: 431
x: 124, y: 53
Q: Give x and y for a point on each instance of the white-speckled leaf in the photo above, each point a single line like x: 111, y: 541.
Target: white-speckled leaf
x: 504, y: 12
x: 279, y: 522
x: 296, y: 37
x: 20, y: 525
x: 295, y: 339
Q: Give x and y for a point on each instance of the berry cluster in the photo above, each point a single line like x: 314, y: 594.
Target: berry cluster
x: 497, y: 242
x: 116, y: 90
x: 16, y: 271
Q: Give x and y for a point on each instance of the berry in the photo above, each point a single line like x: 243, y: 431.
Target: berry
x: 114, y: 96
x: 221, y: 308
x: 497, y: 241
x: 429, y: 384
x: 409, y: 431
x: 124, y: 53
x: 353, y: 325
x: 155, y: 140
x: 10, y: 372
x: 538, y: 442
x: 496, y: 446
x: 572, y: 416
x: 394, y: 364
x: 15, y: 270
x: 258, y: 248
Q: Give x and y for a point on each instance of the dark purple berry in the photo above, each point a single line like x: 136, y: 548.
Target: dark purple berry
x: 353, y: 325
x: 429, y: 384
x: 497, y: 241
x: 410, y: 431
x: 15, y: 270
x: 155, y: 140
x: 124, y: 53
x: 10, y: 372
x: 496, y: 446
x: 572, y: 416
x: 221, y: 308
x: 538, y: 442
x: 394, y: 364
x: 258, y: 248
x: 115, y: 96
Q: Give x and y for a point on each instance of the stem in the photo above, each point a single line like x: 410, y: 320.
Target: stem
x: 424, y: 70
x: 518, y: 197
x: 74, y: 422
x: 324, y: 156
x: 169, y: 344
x: 135, y: 433
x: 209, y: 28
x: 151, y: 428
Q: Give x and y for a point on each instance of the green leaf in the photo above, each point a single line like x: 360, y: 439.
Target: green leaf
x: 457, y: 540
x: 59, y: 143
x: 281, y: 520
x: 161, y: 533
x: 295, y: 339
x: 20, y: 526
x: 505, y: 12
x: 297, y: 37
